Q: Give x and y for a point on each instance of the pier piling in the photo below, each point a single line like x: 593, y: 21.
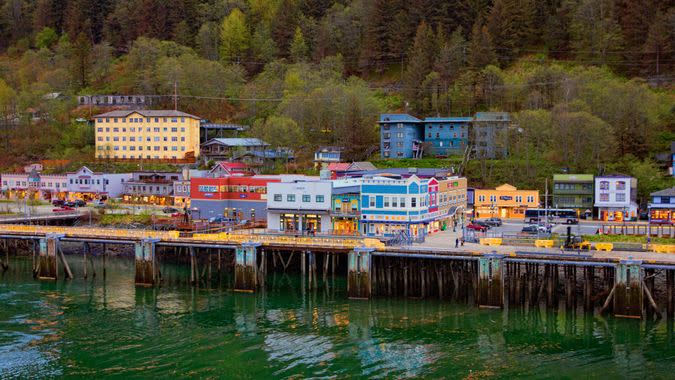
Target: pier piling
x: 146, y: 263
x: 491, y: 281
x: 47, y: 262
x: 245, y: 268
x: 358, y: 277
x: 628, y: 292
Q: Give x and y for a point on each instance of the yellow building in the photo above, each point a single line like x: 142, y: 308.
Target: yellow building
x: 505, y: 201
x: 147, y: 134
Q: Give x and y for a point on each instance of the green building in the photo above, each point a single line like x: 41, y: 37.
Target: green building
x: 573, y: 191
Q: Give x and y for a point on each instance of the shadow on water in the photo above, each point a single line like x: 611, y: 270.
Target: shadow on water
x: 104, y: 327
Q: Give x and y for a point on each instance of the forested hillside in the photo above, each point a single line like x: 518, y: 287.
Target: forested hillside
x: 589, y: 82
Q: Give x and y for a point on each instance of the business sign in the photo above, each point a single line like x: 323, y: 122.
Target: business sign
x: 505, y: 198
x: 208, y: 188
x: 243, y: 195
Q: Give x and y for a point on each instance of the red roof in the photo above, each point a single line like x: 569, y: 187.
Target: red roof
x: 338, y: 166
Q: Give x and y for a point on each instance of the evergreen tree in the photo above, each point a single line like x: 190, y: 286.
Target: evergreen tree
x: 298, y: 49
x: 481, y: 49
x: 208, y: 40
x: 659, y: 47
x: 452, y: 56
x: 263, y: 49
x: 234, y: 37
x: 81, y: 60
x: 284, y: 24
x: 421, y: 58
x: 510, y: 26
x: 596, y: 35
x: 375, y: 48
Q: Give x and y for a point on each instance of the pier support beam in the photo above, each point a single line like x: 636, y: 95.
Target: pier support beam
x: 491, y: 281
x: 47, y: 262
x: 246, y: 267
x: 628, y: 293
x: 358, y: 275
x: 146, y: 263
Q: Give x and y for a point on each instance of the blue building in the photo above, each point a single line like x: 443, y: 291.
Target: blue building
x: 400, y: 135
x: 405, y: 136
x: 394, y: 205
x: 446, y: 135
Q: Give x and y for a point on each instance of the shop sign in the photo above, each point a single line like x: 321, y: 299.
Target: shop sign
x: 208, y: 188
x: 505, y: 198
x: 243, y: 195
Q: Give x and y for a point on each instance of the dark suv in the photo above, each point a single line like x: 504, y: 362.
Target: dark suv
x: 493, y: 222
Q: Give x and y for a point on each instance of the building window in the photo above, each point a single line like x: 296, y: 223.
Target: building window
x: 519, y: 198
x: 604, y: 197
x: 620, y: 197
x: 372, y: 201
x: 493, y: 198
x: 290, y: 197
x: 386, y: 201
x: 413, y: 202
x: 530, y: 198
x: 481, y: 198
x: 320, y: 199
x: 394, y: 201
x: 277, y: 197
x: 621, y: 185
x: 306, y: 198
x: 402, y: 202
x: 604, y: 185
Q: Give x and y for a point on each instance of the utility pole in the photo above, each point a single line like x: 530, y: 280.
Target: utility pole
x: 175, y: 95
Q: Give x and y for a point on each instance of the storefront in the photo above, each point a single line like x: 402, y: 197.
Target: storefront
x: 158, y: 200
x: 614, y: 215
x: 343, y: 225
x: 662, y: 216
x: 294, y: 222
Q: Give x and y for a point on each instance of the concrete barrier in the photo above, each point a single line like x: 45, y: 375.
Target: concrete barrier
x: 544, y: 243
x: 663, y: 248
x: 604, y: 246
x: 491, y: 241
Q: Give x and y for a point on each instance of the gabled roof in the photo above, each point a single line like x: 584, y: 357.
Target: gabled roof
x: 361, y: 165
x: 246, y: 141
x: 664, y: 193
x: 506, y: 187
x: 338, y: 166
x: 398, y: 118
x: 147, y: 113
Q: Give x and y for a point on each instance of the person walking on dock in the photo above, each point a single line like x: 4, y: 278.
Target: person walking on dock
x: 457, y: 243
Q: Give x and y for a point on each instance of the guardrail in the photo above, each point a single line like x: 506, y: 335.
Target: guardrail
x: 89, y: 232
x: 290, y: 240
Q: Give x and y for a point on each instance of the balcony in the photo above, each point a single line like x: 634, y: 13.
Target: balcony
x: 588, y: 192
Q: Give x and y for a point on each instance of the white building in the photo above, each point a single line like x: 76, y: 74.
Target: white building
x: 615, y: 197
x: 300, y: 206
x: 34, y: 185
x: 87, y: 185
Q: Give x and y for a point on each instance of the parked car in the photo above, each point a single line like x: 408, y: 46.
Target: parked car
x: 531, y: 229
x: 220, y: 219
x: 493, y: 222
x: 58, y: 202
x: 482, y: 223
x: 63, y: 209
x: 69, y: 204
x: 476, y: 227
x: 79, y: 203
x: 169, y: 210
x: 98, y: 203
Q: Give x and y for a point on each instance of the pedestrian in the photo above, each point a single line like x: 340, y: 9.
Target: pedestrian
x: 457, y: 243
x: 462, y: 242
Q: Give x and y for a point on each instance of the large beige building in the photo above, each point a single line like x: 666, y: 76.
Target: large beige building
x: 147, y: 134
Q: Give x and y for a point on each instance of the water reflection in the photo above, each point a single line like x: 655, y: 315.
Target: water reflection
x: 95, y: 327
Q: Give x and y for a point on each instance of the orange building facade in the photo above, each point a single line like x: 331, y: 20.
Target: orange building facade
x: 505, y: 201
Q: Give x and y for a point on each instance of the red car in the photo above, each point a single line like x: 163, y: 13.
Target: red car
x: 63, y: 209
x: 476, y: 227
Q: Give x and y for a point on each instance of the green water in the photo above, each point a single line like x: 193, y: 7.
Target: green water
x: 84, y: 329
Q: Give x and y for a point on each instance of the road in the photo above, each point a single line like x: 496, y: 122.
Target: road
x: 512, y: 226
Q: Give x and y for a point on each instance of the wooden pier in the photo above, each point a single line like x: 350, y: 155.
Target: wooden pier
x: 624, y: 286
